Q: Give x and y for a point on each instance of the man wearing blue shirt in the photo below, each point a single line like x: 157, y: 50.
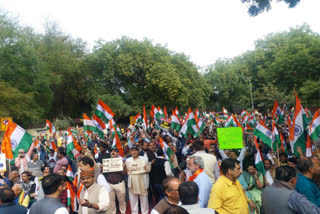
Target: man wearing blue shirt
x: 308, y: 167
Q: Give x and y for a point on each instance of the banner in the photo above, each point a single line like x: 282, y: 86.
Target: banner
x: 132, y: 120
x: 112, y: 165
x: 165, y: 123
x: 4, y: 123
x: 230, y: 138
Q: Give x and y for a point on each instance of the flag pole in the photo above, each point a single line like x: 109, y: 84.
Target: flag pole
x: 9, y: 166
x: 278, y: 154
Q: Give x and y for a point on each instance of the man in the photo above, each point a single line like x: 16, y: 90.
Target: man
x: 12, y: 179
x: 211, y: 167
x: 62, y: 160
x: 117, y: 186
x: 7, y: 205
x: 138, y: 184
x: 280, y: 197
x: 21, y: 197
x: 196, y: 165
x: 22, y: 160
x: 233, y: 155
x: 270, y: 171
x: 34, y: 165
x: 50, y: 204
x: 188, y: 195
x: 309, y: 167
x: 160, y: 170
x: 94, y: 198
x: 62, y: 172
x: 227, y: 195
x: 170, y: 187
x: 104, y: 153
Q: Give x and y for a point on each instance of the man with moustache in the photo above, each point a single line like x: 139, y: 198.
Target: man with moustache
x: 94, y: 198
x: 117, y: 186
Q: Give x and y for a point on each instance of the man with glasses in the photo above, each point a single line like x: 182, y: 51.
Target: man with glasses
x: 170, y: 187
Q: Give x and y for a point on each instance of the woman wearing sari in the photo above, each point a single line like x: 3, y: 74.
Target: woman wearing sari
x: 255, y: 181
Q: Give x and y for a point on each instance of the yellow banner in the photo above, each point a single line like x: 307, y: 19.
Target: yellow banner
x: 4, y: 123
x: 132, y: 120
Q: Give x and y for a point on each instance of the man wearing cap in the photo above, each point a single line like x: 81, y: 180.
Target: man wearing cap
x: 138, y: 183
x: 94, y: 198
x: 22, y: 160
x: 117, y: 186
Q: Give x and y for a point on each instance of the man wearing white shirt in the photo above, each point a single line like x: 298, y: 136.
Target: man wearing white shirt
x: 94, y: 198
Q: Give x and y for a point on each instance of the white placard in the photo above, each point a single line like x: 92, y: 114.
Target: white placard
x: 136, y: 167
x: 112, y: 165
x: 3, y: 162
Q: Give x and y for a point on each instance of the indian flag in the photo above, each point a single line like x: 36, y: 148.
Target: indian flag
x: 314, y: 129
x: 276, y: 111
x: 276, y: 143
x: 175, y: 122
x: 72, y: 198
x: 225, y: 113
x: 297, y: 131
x: 15, y: 138
x: 177, y: 112
x: 70, y: 173
x: 230, y: 122
x: 251, y: 122
x: 73, y: 148
x: 243, y: 113
x: 165, y: 112
x: 88, y: 124
x: 308, y: 147
x: 258, y: 161
x: 50, y: 127
x: 155, y: 113
x: 200, y: 123
x: 117, y: 143
x: 119, y: 131
x: 138, y: 118
x: 193, y: 128
x: 100, y: 126
x: 166, y: 150
x: 263, y: 133
x: 236, y: 122
x: 145, y: 120
x: 103, y: 111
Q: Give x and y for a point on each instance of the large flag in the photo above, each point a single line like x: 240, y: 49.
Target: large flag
x: 104, y: 112
x: 50, y: 127
x: 100, y: 126
x: 276, y: 142
x: 117, y: 143
x: 314, y: 129
x: 297, y: 131
x: 15, y: 138
x: 166, y: 150
x: 263, y: 133
x: 73, y: 148
x: 193, y: 128
x: 259, y: 161
x: 175, y: 122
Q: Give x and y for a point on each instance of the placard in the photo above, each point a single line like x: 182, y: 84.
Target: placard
x: 165, y: 123
x: 136, y: 167
x: 112, y: 165
x: 2, y: 162
x: 230, y: 138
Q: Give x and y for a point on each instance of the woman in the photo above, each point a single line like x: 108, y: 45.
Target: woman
x: 255, y: 183
x: 35, y: 165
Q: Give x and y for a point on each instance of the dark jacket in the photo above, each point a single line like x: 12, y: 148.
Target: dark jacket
x: 12, y: 208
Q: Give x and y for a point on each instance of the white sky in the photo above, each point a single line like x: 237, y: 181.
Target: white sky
x: 205, y: 30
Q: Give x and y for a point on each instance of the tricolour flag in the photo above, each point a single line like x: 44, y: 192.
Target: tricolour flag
x: 166, y: 150
x: 276, y: 142
x: 15, y: 138
x: 199, y: 122
x: 193, y: 128
x: 297, y: 131
x: 175, y: 122
x: 145, y: 120
x: 229, y: 122
x: 73, y: 148
x: 237, y: 123
x: 259, y: 161
x: 88, y: 124
x: 50, y: 127
x: 184, y: 128
x: 308, y: 147
x: 72, y: 198
x: 104, y: 112
x: 138, y: 118
x: 263, y: 133
x: 225, y: 113
x: 70, y: 173
x: 314, y: 129
x: 117, y: 143
x: 100, y: 126
x: 165, y: 112
x: 155, y: 113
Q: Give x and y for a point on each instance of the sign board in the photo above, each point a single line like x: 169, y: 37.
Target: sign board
x: 4, y: 123
x: 2, y: 162
x: 136, y: 167
x: 165, y: 123
x: 230, y: 138
x: 112, y: 165
x: 132, y: 120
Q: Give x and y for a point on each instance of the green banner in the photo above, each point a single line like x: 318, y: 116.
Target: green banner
x: 230, y: 138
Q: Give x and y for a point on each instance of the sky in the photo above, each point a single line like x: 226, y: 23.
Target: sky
x: 205, y: 30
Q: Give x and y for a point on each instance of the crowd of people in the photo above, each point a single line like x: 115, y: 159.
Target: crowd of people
x: 198, y: 177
